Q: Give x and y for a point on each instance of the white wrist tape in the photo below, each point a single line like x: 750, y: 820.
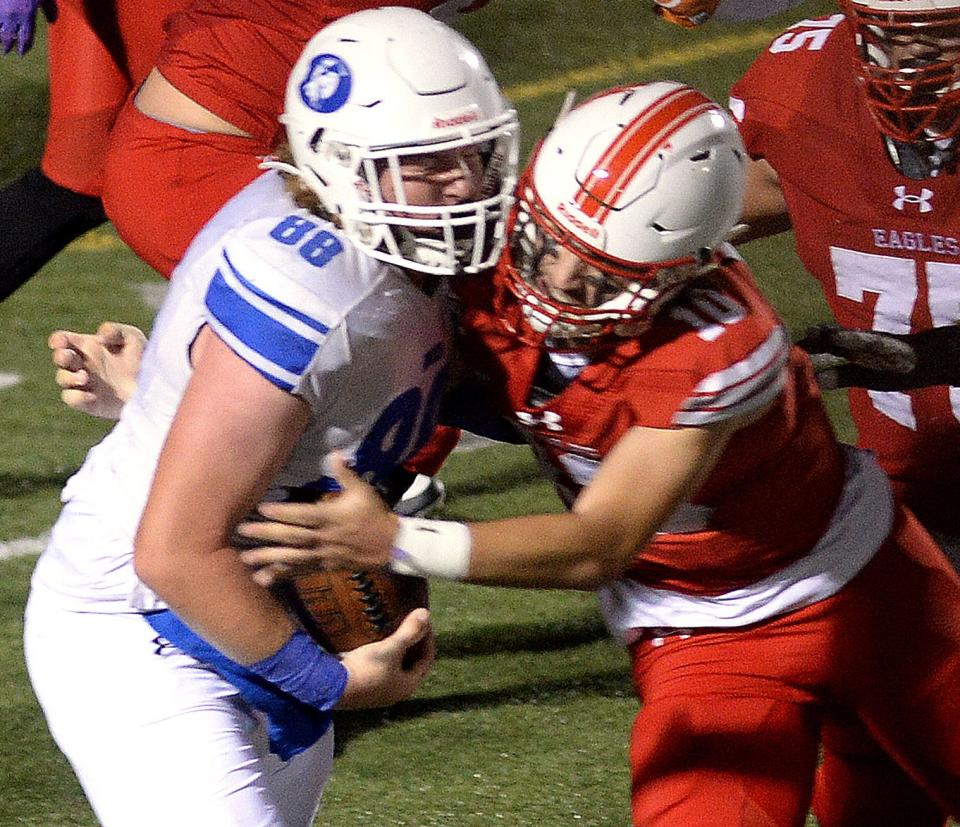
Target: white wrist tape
x: 431, y: 548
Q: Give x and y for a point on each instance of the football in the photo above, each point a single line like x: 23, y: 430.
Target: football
x: 342, y: 610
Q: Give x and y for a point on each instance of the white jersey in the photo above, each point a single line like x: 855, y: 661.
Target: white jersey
x: 289, y: 294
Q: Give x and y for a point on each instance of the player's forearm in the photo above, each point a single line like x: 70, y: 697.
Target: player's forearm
x: 567, y: 551
x: 545, y: 551
x: 210, y: 590
x: 162, y: 101
x: 764, y: 210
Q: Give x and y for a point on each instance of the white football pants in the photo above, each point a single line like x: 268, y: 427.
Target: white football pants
x: 155, y: 738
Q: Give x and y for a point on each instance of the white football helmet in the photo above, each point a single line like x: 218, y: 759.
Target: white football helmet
x: 909, y: 65
x: 386, y: 85
x: 641, y: 182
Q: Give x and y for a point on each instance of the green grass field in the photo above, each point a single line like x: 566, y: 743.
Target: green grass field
x: 526, y: 717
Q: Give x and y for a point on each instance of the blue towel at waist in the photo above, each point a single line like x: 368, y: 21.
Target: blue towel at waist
x: 293, y: 726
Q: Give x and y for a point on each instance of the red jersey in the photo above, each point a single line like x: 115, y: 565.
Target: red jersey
x: 884, y: 247
x: 98, y: 53
x: 717, y: 352
x: 234, y: 56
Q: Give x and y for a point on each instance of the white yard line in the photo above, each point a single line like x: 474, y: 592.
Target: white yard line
x: 8, y: 380
x: 152, y: 293
x: 23, y: 546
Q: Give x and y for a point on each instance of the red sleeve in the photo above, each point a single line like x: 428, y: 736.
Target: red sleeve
x: 783, y: 85
x: 721, y: 355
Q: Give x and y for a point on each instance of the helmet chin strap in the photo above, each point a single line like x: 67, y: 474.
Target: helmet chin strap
x: 423, y: 250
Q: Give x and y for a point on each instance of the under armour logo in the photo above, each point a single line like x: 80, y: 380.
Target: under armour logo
x: 548, y: 419
x: 162, y: 644
x: 922, y: 200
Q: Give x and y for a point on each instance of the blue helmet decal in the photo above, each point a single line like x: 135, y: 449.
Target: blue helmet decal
x: 327, y: 85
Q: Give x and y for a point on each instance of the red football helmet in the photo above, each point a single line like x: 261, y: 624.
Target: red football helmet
x: 909, y: 65
x: 635, y: 188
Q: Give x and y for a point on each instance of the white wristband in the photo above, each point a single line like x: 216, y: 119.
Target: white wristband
x: 431, y: 548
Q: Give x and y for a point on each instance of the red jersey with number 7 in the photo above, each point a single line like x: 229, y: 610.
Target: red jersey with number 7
x: 717, y: 352
x: 884, y: 247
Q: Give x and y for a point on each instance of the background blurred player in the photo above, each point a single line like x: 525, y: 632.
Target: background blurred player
x: 854, y: 120
x: 97, y: 53
x: 759, y: 572
x: 170, y: 176
x: 207, y: 114
x: 300, y: 320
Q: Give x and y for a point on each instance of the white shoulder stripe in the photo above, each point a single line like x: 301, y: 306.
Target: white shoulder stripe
x: 742, y: 407
x: 773, y: 346
x: 734, y: 394
x: 741, y: 387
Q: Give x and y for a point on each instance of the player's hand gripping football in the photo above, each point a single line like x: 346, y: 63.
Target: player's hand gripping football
x: 98, y: 371
x: 17, y: 21
x: 354, y: 530
x: 389, y: 670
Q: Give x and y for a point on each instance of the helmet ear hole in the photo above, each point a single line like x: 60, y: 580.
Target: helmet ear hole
x: 315, y: 139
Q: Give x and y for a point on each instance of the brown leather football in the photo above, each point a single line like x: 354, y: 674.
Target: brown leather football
x: 342, y: 610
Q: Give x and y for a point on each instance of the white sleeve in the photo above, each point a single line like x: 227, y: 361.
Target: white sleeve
x: 270, y: 321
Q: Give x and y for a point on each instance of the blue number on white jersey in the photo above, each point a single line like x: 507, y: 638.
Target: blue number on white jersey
x: 317, y: 250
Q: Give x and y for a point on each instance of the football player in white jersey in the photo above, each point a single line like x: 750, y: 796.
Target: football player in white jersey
x: 309, y: 314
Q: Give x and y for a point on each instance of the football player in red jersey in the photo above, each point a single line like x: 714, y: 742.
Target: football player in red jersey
x: 196, y: 131
x: 759, y: 572
x: 853, y: 121
x: 97, y: 54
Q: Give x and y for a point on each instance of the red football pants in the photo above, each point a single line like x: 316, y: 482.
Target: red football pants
x: 164, y: 183
x: 731, y: 720
x: 97, y: 53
